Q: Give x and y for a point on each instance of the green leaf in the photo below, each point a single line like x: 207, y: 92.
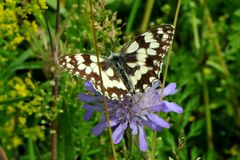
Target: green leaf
x: 196, y: 128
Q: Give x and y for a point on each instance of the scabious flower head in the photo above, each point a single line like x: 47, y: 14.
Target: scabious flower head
x: 135, y: 111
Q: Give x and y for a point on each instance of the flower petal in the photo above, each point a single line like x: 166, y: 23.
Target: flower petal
x: 150, y: 124
x: 86, y: 98
x: 118, y: 133
x: 133, y: 126
x: 97, y: 130
x: 170, y: 89
x: 158, y: 121
x: 89, y: 86
x: 172, y: 107
x: 142, y: 139
x: 88, y: 115
x: 158, y: 107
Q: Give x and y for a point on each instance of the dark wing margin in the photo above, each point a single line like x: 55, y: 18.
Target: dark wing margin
x: 143, y: 55
x: 85, y: 66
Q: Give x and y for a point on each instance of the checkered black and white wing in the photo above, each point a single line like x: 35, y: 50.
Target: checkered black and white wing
x: 143, y: 56
x: 85, y: 66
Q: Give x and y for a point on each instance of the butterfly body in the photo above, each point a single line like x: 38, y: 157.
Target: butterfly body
x: 133, y: 70
x: 120, y: 68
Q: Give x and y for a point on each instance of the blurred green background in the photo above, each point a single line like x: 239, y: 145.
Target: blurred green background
x: 39, y: 110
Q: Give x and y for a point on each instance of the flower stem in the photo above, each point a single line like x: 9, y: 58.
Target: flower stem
x: 165, y: 76
x: 53, y: 56
x: 232, y: 95
x: 100, y: 75
x: 207, y: 112
x: 132, y: 145
x: 2, y: 154
x: 132, y: 16
x: 147, y: 15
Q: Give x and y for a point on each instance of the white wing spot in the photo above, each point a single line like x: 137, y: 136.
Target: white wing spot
x: 93, y: 79
x: 79, y: 58
x: 88, y: 70
x: 142, y: 51
x: 154, y: 45
x: 145, y: 86
x: 68, y: 59
x: 76, y: 73
x: 167, y: 41
x: 156, y: 62
x: 93, y: 58
x: 133, y: 47
x: 137, y: 75
x: 142, y: 57
x: 160, y: 31
x: 114, y: 95
x: 165, y: 36
x: 69, y: 66
x: 109, y: 72
x: 149, y: 37
x: 144, y: 69
x: 151, y: 52
x: 63, y: 64
x: 81, y: 66
x: 137, y: 90
x: 93, y: 65
x: 96, y: 70
x: 132, y: 65
x: 165, y: 47
x: 151, y: 79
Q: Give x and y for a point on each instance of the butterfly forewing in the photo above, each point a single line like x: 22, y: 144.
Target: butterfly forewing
x: 134, y: 70
x: 85, y: 66
x: 143, y: 55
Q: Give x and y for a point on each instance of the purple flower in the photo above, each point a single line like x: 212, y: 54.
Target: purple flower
x: 134, y: 111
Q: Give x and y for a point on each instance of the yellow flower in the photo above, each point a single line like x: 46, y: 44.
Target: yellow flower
x: 9, y: 126
x: 10, y: 1
x: 29, y: 83
x: 34, y: 26
x: 10, y: 109
x: 21, y: 89
x: 16, y: 141
x: 43, y: 4
x: 22, y: 120
x: 17, y: 40
x: 1, y: 13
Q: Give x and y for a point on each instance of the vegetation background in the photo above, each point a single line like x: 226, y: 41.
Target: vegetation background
x: 40, y: 116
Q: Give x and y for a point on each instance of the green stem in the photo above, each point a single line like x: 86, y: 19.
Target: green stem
x: 210, y: 25
x: 48, y: 27
x: 195, y: 30
x: 132, y: 15
x: 164, y: 77
x: 53, y: 56
x: 147, y: 15
x: 31, y: 149
x: 231, y: 91
x: 100, y: 75
x: 207, y: 112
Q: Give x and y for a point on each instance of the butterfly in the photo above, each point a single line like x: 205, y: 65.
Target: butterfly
x: 131, y: 71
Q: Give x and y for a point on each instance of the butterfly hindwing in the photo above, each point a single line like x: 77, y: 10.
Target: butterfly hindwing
x: 143, y: 55
x: 85, y: 66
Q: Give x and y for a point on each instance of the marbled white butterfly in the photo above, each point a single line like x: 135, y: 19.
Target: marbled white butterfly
x: 133, y: 70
